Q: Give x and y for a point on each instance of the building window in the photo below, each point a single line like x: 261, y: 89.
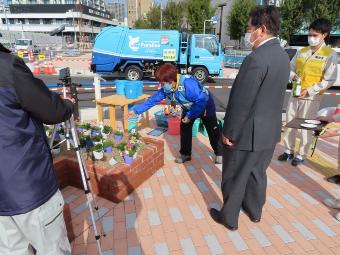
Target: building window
x: 47, y: 21
x: 46, y: 1
x: 34, y: 21
x: 32, y: 1
x: 3, y: 21
x: 70, y: 1
x: 11, y: 21
x: 60, y: 21
x: 21, y: 21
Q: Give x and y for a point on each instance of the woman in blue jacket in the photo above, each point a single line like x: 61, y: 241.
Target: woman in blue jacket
x: 195, y: 101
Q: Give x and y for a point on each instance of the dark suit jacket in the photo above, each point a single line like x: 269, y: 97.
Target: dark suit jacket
x: 253, y: 116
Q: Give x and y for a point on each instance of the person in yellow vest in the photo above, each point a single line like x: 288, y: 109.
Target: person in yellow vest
x: 315, y: 67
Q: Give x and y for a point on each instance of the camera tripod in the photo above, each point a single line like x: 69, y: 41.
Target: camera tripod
x: 72, y: 140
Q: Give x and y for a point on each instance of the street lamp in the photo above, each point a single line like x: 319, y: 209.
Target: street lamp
x: 221, y: 21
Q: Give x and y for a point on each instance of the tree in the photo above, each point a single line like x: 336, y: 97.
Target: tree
x: 141, y: 23
x: 291, y: 18
x: 173, y: 15
x: 153, y: 17
x: 197, y: 12
x: 238, y: 18
x: 328, y: 9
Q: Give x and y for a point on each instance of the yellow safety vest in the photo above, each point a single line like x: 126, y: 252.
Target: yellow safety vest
x: 311, y: 69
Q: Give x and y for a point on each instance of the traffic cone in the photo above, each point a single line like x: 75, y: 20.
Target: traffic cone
x: 51, y: 68
x: 30, y: 56
x: 46, y: 68
x: 36, y: 70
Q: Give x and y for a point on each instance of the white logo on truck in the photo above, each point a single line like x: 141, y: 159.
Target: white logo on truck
x: 132, y: 43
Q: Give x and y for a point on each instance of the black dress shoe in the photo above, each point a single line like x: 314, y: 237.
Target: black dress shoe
x: 252, y: 218
x: 215, y: 215
x: 334, y: 179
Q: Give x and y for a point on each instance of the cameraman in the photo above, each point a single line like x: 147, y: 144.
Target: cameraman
x: 31, y: 205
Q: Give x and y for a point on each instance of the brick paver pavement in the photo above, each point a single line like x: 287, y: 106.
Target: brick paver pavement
x: 168, y: 214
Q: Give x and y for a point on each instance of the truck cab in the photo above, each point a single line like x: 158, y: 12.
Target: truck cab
x: 24, y: 45
x: 205, y: 56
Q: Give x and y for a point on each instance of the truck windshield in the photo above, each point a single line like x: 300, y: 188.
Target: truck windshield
x: 207, y: 42
x: 23, y: 42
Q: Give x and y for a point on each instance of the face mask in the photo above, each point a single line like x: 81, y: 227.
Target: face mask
x: 313, y: 41
x: 249, y: 44
x: 167, y: 87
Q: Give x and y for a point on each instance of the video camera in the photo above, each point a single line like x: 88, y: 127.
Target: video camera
x: 66, y: 81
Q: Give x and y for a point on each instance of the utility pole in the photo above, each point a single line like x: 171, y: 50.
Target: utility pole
x: 161, y: 14
x: 221, y: 21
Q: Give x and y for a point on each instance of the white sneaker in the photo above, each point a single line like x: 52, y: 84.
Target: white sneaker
x: 332, y: 203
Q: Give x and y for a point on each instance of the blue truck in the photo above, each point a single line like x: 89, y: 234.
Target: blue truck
x: 138, y: 52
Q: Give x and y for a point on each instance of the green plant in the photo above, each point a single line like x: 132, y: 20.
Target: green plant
x: 98, y: 147
x: 86, y: 126
x: 131, y: 152
x: 97, y: 138
x: 121, y: 146
x: 135, y: 135
x: 107, y: 130
x: 95, y: 128
x: 118, y: 133
x: 107, y: 143
x: 82, y: 142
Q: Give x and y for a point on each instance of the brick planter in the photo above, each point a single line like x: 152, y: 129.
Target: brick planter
x: 112, y: 182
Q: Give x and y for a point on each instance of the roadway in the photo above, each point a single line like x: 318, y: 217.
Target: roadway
x: 220, y: 88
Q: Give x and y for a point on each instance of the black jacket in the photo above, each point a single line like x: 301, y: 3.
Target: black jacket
x: 253, y: 117
x: 27, y: 178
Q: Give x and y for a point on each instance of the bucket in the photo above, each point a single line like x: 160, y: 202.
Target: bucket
x: 174, y: 126
x: 133, y: 123
x: 131, y: 90
x: 120, y: 87
x: 139, y: 85
x: 196, y: 127
x: 161, y: 119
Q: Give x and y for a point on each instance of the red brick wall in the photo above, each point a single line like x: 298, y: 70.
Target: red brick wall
x: 112, y: 182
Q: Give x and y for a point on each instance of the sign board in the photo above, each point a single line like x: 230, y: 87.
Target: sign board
x: 20, y: 54
x: 169, y: 55
x: 41, y: 57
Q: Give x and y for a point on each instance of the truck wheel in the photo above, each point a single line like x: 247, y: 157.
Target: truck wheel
x: 133, y: 73
x: 200, y: 73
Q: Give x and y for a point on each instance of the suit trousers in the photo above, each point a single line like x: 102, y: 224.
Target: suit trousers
x: 244, y: 183
x: 42, y: 228
x: 213, y: 130
x: 300, y: 108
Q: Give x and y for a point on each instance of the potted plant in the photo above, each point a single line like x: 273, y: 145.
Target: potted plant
x: 118, y: 135
x: 84, y: 128
x: 98, y: 151
x: 129, y: 155
x: 56, y: 147
x: 107, y: 145
x: 121, y: 146
x: 97, y: 139
x: 107, y: 130
x: 95, y: 131
x: 60, y: 133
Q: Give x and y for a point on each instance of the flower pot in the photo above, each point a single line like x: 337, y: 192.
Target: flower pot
x: 108, y: 149
x: 55, y: 151
x: 95, y: 133
x: 98, y: 155
x: 128, y: 160
x: 118, y: 137
x: 81, y: 130
x: 87, y: 132
x: 105, y: 136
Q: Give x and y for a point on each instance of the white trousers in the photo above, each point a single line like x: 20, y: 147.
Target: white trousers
x: 300, y: 108
x: 42, y: 228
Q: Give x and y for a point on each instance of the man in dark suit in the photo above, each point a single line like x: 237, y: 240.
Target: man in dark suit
x: 252, y: 123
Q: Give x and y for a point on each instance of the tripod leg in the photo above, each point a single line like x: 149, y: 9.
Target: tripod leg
x: 86, y: 183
